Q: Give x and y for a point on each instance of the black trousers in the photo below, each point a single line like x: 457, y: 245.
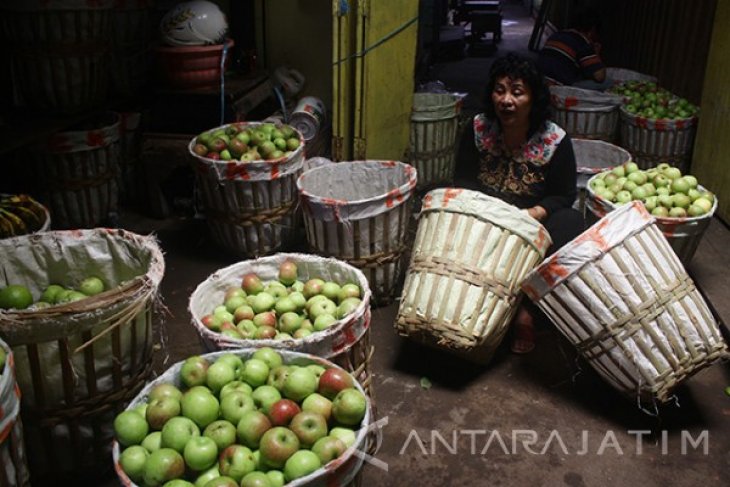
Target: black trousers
x: 563, y: 226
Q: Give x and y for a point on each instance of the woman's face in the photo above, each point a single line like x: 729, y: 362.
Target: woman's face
x: 512, y: 100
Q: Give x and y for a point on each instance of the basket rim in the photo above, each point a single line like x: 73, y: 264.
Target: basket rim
x: 164, y: 48
x: 330, y: 332
x: 689, y: 121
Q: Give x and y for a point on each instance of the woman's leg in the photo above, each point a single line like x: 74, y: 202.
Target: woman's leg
x: 563, y: 226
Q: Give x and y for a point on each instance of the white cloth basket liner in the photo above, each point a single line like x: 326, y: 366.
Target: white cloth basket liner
x: 621, y: 75
x: 342, y: 472
x: 585, y: 113
x: 359, y: 211
x: 592, y: 157
x: 620, y: 294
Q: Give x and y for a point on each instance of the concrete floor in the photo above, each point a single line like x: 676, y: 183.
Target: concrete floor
x: 583, y: 432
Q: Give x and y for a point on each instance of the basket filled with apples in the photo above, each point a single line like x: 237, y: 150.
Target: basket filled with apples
x: 246, y: 178
x: 247, y: 417
x: 682, y: 207
x: 13, y: 466
x: 593, y: 157
x: 288, y: 301
x: 359, y: 212
x: 621, y: 296
x: 656, y: 125
x: 77, y: 308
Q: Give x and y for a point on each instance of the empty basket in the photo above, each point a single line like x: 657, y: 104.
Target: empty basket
x: 620, y: 294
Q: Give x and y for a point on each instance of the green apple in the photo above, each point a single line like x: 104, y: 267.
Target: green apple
x: 277, y: 445
x: 276, y: 289
x: 205, y: 477
x: 200, y: 453
x: 346, y: 435
x: 317, y: 403
x: 194, y: 371
x: 235, y: 385
x: 132, y: 460
x: 201, y: 406
x: 288, y: 272
x: 91, y: 286
x: 220, y: 374
x: 331, y: 290
x: 301, y: 464
x: 262, y: 302
x: 222, y: 433
x: 160, y: 410
x: 255, y: 479
x: 277, y: 376
x: 177, y: 432
x: 255, y: 372
x: 349, y: 407
x: 703, y: 203
x: 236, y: 461
x: 324, y: 321
x: 251, y: 283
x: 130, y: 428
x: 251, y: 428
x: 269, y: 356
x: 300, y: 383
x: 276, y: 478
x: 322, y: 307
x: 328, y: 448
x: 677, y: 212
x: 49, y: 294
x: 312, y: 287
x: 290, y: 322
x: 264, y: 396
x: 153, y: 441
x: 309, y: 427
x: 234, y: 361
x: 351, y: 290
x: 163, y: 465
x: 235, y: 404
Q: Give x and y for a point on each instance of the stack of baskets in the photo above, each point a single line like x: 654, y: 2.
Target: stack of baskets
x: 586, y: 114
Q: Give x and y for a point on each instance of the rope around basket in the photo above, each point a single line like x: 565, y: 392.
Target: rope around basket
x: 369, y: 261
x: 472, y: 275
x: 252, y: 217
x: 93, y: 406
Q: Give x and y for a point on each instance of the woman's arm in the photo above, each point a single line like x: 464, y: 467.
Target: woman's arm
x: 560, y: 181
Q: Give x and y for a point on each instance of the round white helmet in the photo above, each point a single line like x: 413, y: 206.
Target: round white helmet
x: 194, y: 23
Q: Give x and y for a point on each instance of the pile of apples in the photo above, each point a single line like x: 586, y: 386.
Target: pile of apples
x: 247, y: 143
x: 16, y: 296
x: 255, y: 422
x: 283, y: 310
x: 665, y: 192
x: 648, y: 100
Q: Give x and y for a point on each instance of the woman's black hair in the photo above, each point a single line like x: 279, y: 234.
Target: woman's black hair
x: 516, y: 67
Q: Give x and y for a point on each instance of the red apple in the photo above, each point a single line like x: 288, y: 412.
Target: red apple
x: 251, y: 427
x: 334, y: 380
x: 312, y: 287
x: 309, y: 427
x: 163, y: 465
x: 265, y: 333
x: 251, y: 283
x: 287, y: 272
x: 200, y: 150
x: 277, y: 445
x: 161, y: 409
x: 282, y: 412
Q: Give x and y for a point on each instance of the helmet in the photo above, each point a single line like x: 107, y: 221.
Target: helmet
x: 194, y: 24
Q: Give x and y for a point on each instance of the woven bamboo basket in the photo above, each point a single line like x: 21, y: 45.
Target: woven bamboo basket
x: 13, y: 465
x: 345, y: 471
x: 653, y: 141
x: 359, y: 212
x: 251, y: 207
x: 683, y: 234
x: 592, y: 157
x: 462, y: 286
x: 586, y: 114
x: 77, y: 173
x: 347, y: 343
x: 59, y: 52
x: 620, y: 294
x: 433, y: 137
x: 130, y: 61
x: 47, y: 220
x: 79, y: 363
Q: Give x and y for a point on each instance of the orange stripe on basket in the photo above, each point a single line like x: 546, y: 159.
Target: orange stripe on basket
x: 450, y: 194
x: 427, y: 201
x: 392, y: 197
x: 237, y: 170
x: 94, y: 138
x: 275, y: 170
x: 571, y: 101
x: 595, y: 235
x: 388, y: 163
x: 6, y: 431
x: 541, y: 237
x: 530, y: 291
x: 552, y: 271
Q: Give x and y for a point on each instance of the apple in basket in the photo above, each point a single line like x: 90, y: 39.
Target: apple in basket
x: 283, y: 309
x: 261, y: 142
x: 239, y: 422
x: 664, y: 190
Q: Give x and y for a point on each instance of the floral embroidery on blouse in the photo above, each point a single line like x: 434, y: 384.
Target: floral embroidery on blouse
x: 514, y: 175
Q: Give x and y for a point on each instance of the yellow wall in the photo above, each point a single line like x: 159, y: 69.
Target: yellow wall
x: 711, y: 162
x: 298, y: 34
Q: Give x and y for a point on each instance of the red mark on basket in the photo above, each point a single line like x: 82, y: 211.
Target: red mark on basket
x: 450, y: 194
x: 392, y: 197
x: 641, y: 122
x: 427, y: 201
x: 551, y: 271
x: 236, y: 170
x: 388, y: 163
x: 275, y: 170
x: 541, y: 237
x: 58, y: 143
x: 595, y: 234
x: 571, y: 101
x: 94, y: 138
x: 530, y: 291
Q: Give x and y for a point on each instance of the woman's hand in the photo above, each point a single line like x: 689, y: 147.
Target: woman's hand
x: 537, y: 212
